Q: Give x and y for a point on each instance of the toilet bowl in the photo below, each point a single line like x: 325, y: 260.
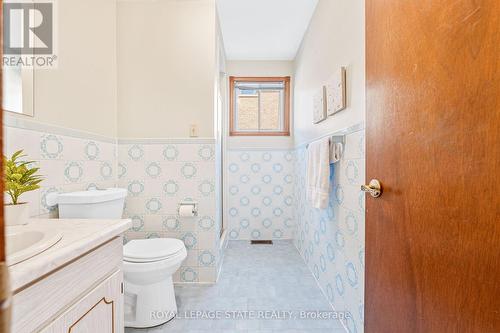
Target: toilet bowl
x: 148, y: 264
x: 148, y: 267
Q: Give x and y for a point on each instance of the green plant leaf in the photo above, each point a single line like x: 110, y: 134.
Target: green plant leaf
x: 16, y: 176
x: 16, y: 155
x: 19, y: 176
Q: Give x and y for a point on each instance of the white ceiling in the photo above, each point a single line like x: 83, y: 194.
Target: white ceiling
x: 264, y: 29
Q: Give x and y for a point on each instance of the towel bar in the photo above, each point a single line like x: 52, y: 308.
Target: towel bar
x: 335, y: 139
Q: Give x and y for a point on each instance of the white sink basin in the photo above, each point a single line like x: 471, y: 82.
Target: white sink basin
x: 24, y: 242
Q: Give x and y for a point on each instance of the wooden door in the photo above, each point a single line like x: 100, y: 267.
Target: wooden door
x: 433, y: 124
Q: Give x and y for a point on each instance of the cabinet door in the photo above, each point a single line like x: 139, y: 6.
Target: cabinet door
x: 101, y: 310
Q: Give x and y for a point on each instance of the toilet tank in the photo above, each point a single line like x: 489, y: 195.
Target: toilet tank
x: 92, y: 204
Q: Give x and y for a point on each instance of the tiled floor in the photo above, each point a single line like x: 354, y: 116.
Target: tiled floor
x: 259, y: 281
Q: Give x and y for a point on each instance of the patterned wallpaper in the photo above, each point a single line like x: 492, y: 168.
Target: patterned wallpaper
x: 266, y: 200
x: 157, y: 176
x: 332, y: 240
x: 68, y: 163
x: 260, y: 194
x: 160, y: 175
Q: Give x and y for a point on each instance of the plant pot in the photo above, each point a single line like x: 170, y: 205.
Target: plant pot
x: 17, y: 214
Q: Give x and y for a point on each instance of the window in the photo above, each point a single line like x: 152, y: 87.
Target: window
x: 260, y: 106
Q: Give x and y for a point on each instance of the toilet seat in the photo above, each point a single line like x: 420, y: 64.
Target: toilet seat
x: 152, y: 250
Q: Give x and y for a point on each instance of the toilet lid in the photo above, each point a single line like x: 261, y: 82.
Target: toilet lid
x: 147, y: 250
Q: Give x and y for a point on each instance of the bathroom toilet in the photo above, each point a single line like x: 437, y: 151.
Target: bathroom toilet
x: 149, y: 291
x: 148, y: 264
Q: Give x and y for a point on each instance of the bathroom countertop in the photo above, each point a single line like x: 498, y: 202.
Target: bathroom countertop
x: 78, y: 237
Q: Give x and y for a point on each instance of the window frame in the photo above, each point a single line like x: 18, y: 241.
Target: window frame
x: 286, y: 107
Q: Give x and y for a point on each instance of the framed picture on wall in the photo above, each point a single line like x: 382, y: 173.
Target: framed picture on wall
x: 319, y: 106
x: 336, y: 92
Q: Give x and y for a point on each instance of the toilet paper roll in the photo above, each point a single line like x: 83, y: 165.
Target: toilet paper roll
x: 186, y: 211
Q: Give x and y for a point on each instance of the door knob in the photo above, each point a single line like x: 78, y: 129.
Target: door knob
x: 374, y: 188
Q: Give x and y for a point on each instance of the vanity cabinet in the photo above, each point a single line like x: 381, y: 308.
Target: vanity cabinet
x: 99, y: 311
x: 85, y: 295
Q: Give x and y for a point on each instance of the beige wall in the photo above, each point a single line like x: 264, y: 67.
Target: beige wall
x: 81, y: 92
x: 166, y: 68
x: 335, y: 38
x: 261, y: 68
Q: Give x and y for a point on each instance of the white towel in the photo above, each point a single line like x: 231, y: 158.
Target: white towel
x: 318, y: 173
x: 336, y: 152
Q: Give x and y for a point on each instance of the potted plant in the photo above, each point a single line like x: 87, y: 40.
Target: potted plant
x: 19, y: 179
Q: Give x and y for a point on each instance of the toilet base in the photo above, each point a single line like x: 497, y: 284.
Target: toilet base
x: 149, y: 305
x: 166, y: 322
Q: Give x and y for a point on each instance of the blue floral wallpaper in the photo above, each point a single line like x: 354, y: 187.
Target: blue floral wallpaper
x: 160, y: 175
x: 67, y: 162
x: 332, y: 241
x: 157, y: 175
x: 260, y: 194
x: 265, y: 200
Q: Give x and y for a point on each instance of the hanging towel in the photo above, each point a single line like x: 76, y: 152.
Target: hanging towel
x: 336, y: 152
x: 318, y: 173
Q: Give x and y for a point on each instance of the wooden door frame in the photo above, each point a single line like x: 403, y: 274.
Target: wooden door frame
x: 2, y: 225
x: 286, y: 115
x: 5, y: 296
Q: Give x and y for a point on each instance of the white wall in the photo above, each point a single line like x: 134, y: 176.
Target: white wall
x: 335, y: 38
x: 166, y: 68
x: 261, y: 68
x: 81, y: 92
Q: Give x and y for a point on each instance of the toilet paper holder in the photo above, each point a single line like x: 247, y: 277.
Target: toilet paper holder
x: 192, y: 204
